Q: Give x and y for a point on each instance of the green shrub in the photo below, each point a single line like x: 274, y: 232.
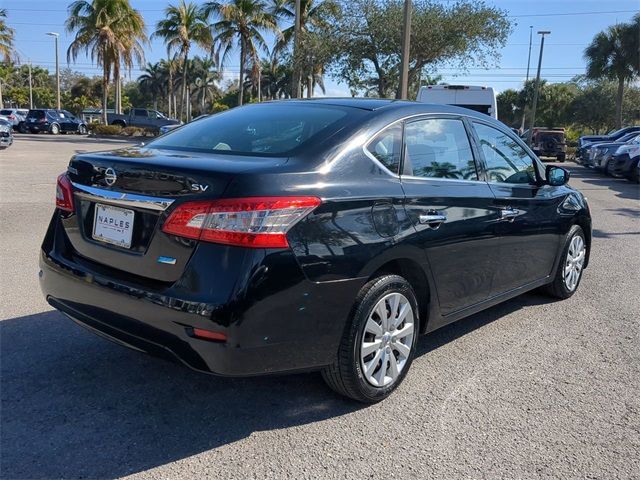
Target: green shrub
x: 107, y: 129
x: 219, y: 107
x: 133, y: 132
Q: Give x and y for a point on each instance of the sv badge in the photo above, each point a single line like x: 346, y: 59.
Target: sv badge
x: 198, y: 187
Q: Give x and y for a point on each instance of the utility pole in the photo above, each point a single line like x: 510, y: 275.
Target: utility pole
x: 56, y: 35
x: 30, y: 88
x: 535, y: 94
x: 297, y: 87
x: 527, y: 80
x: 406, y: 49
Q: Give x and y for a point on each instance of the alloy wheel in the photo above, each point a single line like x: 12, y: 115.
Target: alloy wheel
x: 387, y: 340
x: 574, y: 262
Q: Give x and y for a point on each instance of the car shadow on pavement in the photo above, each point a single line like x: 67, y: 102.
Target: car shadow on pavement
x: 77, y: 406
x: 623, y: 188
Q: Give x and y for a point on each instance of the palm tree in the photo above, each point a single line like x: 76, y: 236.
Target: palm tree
x: 111, y: 31
x: 7, y: 34
x: 205, y: 80
x: 314, y: 14
x: 152, y: 81
x: 183, y: 25
x: 242, y: 23
x: 613, y: 54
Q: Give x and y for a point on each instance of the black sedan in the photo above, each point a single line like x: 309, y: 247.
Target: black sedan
x: 310, y: 235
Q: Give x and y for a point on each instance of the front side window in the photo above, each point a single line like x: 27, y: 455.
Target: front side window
x: 506, y: 161
x: 386, y: 147
x: 439, y: 148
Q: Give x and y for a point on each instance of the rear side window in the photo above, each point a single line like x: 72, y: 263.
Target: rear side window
x: 439, y: 148
x: 506, y: 161
x: 6, y: 112
x: 262, y: 130
x: 386, y: 147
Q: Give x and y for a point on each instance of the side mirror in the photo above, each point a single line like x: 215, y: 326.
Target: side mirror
x: 557, y: 176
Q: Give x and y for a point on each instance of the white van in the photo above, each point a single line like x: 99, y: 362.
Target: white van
x: 480, y: 99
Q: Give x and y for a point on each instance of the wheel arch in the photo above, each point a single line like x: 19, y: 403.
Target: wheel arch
x: 415, y: 274
x: 584, y: 222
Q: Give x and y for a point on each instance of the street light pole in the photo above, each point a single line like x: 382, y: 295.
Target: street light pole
x: 527, y: 80
x: 535, y: 94
x: 30, y: 88
x: 56, y: 35
x: 406, y: 48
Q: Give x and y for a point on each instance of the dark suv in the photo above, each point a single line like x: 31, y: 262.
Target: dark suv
x: 54, y: 122
x: 310, y: 235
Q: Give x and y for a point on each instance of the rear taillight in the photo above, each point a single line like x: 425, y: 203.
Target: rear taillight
x: 64, y: 193
x: 259, y: 222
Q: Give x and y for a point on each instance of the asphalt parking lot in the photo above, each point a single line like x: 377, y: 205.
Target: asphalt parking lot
x: 529, y: 389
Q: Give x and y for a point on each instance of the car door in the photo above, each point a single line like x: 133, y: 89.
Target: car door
x: 530, y: 229
x: 452, y: 209
x: 141, y: 118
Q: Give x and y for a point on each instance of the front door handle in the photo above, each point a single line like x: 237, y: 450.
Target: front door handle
x: 509, y: 214
x: 432, y: 220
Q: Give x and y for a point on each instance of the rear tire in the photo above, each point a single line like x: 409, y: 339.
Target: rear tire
x: 561, y: 157
x: 355, y: 373
x: 571, y: 266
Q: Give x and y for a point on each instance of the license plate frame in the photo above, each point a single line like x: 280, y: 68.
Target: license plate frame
x: 113, y: 220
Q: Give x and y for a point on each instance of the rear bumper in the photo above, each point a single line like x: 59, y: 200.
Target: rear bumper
x: 273, y: 323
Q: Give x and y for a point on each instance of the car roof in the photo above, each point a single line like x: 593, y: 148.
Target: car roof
x: 384, y: 104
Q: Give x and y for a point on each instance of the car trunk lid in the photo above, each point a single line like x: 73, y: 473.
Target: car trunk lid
x: 123, y: 197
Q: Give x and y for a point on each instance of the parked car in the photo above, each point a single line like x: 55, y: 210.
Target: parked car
x: 613, y: 136
x: 6, y: 134
x: 310, y: 235
x: 548, y: 142
x: 141, y: 117
x: 53, y: 121
x: 600, y: 154
x: 14, y: 116
x: 625, y: 160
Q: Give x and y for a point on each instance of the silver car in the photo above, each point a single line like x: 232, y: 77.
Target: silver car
x: 6, y: 134
x: 14, y: 115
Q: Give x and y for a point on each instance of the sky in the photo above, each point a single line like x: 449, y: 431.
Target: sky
x: 572, y: 23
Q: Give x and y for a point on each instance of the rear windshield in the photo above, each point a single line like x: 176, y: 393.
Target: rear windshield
x: 35, y: 114
x: 6, y: 112
x: 264, y: 130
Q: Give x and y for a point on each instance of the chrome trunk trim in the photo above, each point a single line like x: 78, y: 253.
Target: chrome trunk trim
x: 121, y: 199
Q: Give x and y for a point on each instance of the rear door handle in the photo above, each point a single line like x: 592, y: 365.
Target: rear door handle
x: 432, y: 220
x: 509, y: 214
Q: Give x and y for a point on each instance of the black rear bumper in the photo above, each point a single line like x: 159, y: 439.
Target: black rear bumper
x: 273, y: 324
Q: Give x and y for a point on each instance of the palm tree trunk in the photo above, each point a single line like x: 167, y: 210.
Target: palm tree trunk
x: 241, y: 86
x: 184, y: 84
x: 619, y: 98
x: 310, y: 85
x: 116, y: 77
x: 105, y: 92
x: 204, y: 91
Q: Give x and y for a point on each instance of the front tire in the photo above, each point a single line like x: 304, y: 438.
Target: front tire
x: 82, y: 130
x: 561, y: 157
x: 55, y: 129
x: 378, y: 344
x: 569, y: 274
